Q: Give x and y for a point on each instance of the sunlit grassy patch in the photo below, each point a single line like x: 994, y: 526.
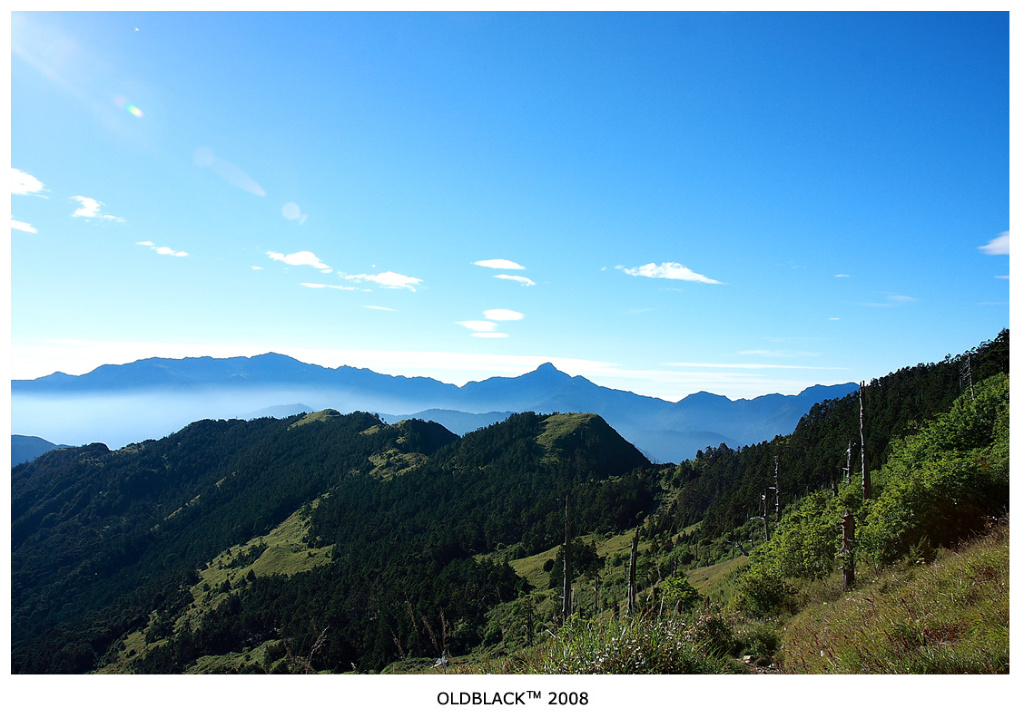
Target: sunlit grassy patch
x: 948, y: 617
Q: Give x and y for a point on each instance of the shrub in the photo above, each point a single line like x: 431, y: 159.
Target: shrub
x: 940, y: 485
x: 641, y: 646
x: 680, y: 594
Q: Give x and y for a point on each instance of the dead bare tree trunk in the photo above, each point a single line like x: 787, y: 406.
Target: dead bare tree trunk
x: 849, y: 462
x: 631, y: 591
x: 848, y: 525
x: 567, y: 567
x: 778, y: 501
x: 864, y: 450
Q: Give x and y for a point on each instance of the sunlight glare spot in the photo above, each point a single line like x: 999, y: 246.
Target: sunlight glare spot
x: 291, y: 211
x: 128, y: 107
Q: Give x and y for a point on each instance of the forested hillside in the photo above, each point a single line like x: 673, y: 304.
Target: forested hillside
x: 102, y: 540
x: 722, y: 487
x: 330, y: 542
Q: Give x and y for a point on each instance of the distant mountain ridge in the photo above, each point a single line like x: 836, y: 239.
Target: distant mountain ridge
x: 149, y: 398
x: 27, y: 448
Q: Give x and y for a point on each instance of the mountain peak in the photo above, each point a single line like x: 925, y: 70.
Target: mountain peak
x: 548, y: 369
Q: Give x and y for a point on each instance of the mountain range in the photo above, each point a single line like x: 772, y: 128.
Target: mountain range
x: 150, y: 398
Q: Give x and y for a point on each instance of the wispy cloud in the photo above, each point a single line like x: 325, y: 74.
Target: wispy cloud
x: 708, y: 365
x: 380, y: 309
x: 499, y: 264
x: 893, y: 300
x: 485, y: 328
x: 315, y: 285
x: 999, y: 245
x: 525, y: 281
x: 506, y: 264
x: 163, y: 250
x: 305, y: 258
x: 90, y: 209
x: 23, y: 183
x: 781, y: 353
x: 503, y: 315
x: 23, y: 226
x: 668, y: 270
x: 479, y: 325
x: 842, y: 276
x: 388, y: 280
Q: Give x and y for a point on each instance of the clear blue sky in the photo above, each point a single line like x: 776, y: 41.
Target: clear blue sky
x: 666, y: 203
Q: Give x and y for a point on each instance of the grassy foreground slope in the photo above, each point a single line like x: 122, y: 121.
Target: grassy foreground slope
x: 950, y: 616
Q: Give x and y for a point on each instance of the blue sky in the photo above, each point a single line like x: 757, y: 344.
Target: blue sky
x: 740, y: 203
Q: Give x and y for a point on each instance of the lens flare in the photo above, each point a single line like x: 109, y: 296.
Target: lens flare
x: 128, y: 107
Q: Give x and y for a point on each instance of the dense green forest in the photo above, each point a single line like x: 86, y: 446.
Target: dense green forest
x: 329, y: 542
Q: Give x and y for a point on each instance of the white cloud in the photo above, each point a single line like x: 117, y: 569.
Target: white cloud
x: 525, y: 281
x: 390, y: 280
x: 484, y: 329
x: 256, y: 267
x: 380, y: 309
x: 304, y: 258
x: 163, y: 250
x: 23, y: 226
x: 842, y: 276
x: 315, y: 285
x: 90, y: 209
x: 502, y: 315
x: 24, y: 183
x: 668, y: 270
x: 999, y: 245
x: 479, y: 325
x: 499, y: 264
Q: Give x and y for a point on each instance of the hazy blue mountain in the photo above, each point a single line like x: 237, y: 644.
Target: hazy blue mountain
x: 281, y: 411
x: 459, y: 422
x: 152, y: 398
x: 27, y: 448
